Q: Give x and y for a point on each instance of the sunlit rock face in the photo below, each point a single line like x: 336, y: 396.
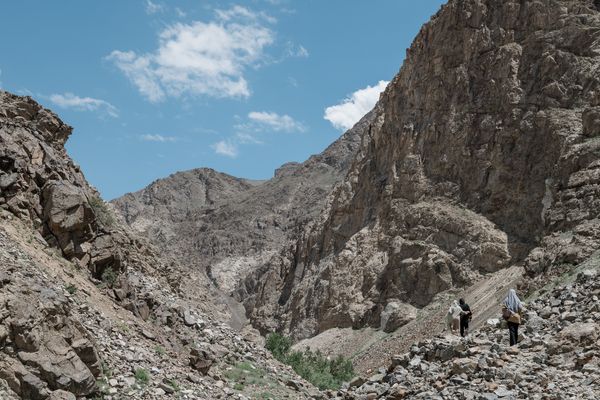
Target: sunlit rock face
x: 483, y: 153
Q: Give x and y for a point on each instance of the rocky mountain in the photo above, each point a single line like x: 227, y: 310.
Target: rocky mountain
x: 482, y: 154
x: 479, y: 163
x: 228, y: 227
x: 87, y: 308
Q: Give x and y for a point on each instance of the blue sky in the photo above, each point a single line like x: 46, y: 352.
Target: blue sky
x: 155, y: 87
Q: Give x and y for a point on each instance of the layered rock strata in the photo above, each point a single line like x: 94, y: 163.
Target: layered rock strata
x: 484, y: 154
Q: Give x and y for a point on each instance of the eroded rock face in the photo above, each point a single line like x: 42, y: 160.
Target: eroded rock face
x: 227, y: 226
x: 41, y: 183
x: 53, y: 351
x: 484, y: 149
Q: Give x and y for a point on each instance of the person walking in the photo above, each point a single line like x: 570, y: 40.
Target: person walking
x: 465, y: 317
x: 453, y: 317
x: 512, y: 308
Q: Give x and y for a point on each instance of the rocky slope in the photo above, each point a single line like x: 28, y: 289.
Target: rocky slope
x: 88, y: 309
x: 227, y: 226
x: 483, y: 154
x: 558, y: 356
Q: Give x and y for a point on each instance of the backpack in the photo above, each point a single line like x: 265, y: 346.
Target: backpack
x: 506, y: 313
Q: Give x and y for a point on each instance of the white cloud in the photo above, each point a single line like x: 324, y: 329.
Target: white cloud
x: 158, y: 138
x: 239, y: 13
x: 261, y: 121
x: 344, y: 115
x: 293, y: 50
x: 69, y: 100
x: 201, y: 58
x: 246, y: 138
x: 225, y: 148
x: 153, y: 8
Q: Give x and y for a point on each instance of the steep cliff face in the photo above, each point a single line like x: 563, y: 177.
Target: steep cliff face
x: 484, y: 153
x: 228, y: 226
x: 86, y: 306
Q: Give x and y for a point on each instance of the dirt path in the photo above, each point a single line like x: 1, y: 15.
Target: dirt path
x: 484, y: 297
x: 372, y: 348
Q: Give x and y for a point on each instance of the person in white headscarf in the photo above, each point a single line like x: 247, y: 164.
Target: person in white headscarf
x: 512, y: 308
x: 453, y: 317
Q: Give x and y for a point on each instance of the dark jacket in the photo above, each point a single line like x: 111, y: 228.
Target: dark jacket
x: 466, y: 311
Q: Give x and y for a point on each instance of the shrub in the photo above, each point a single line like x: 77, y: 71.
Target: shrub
x: 173, y: 383
x: 101, y: 211
x: 160, y: 350
x: 109, y: 276
x: 142, y: 376
x: 71, y: 289
x: 279, y: 345
x: 312, y: 366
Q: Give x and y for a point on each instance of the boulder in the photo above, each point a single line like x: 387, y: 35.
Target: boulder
x: 580, y: 332
x: 397, y: 314
x: 67, y: 213
x: 201, y: 360
x: 591, y: 122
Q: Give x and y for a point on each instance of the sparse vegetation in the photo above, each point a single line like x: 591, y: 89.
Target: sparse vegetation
x: 160, y: 350
x: 103, y: 214
x: 173, y: 383
x: 71, y: 289
x: 106, y: 370
x: 123, y: 327
x: 103, y: 387
x: 313, y: 366
x: 109, y: 276
x: 279, y: 345
x: 246, y: 373
x: 142, y: 376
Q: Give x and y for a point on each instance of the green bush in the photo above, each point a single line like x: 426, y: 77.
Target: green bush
x: 312, y: 366
x: 279, y: 345
x: 109, y: 276
x: 101, y: 211
x: 142, y: 376
x: 71, y: 289
x: 173, y: 383
x: 160, y: 350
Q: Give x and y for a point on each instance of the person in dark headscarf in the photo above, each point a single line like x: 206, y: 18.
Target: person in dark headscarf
x: 512, y: 308
x: 465, y: 317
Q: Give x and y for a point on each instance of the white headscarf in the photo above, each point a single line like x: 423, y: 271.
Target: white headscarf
x: 455, y: 309
x: 512, y: 301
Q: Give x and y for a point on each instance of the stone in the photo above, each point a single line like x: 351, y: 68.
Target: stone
x: 201, y: 360
x: 148, y: 335
x: 464, y: 365
x: 356, y: 381
x: 580, y: 332
x: 61, y: 395
x: 397, y: 314
x: 166, y: 387
x: 188, y: 318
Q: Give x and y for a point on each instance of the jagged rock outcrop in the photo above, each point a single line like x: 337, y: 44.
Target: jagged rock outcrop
x: 41, y: 183
x: 483, y: 153
x: 228, y: 226
x: 87, y: 308
x: 53, y: 351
